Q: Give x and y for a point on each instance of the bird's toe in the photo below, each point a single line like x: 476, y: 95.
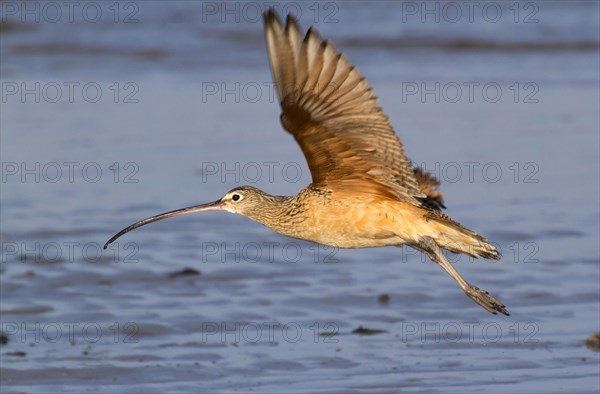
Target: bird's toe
x: 484, y: 299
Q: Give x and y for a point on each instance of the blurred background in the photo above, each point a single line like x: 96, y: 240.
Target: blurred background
x: 115, y: 111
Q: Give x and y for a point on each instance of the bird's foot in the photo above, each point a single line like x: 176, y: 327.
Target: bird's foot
x: 484, y: 299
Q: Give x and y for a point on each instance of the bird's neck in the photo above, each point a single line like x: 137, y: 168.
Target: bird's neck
x: 282, y: 214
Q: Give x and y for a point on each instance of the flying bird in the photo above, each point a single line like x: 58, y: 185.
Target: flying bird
x: 364, y: 191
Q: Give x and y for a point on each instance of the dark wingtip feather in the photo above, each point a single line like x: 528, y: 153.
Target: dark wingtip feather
x: 428, y: 184
x: 312, y: 32
x: 291, y: 20
x: 270, y: 17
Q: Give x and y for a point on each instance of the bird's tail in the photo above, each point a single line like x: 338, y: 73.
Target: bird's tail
x: 458, y: 239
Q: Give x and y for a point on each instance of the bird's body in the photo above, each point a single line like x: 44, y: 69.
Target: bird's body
x: 353, y: 220
x: 364, y: 191
x: 336, y: 219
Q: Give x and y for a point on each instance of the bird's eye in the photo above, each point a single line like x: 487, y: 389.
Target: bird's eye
x: 235, y: 197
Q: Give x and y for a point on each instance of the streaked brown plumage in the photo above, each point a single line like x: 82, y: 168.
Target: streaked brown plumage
x: 364, y: 190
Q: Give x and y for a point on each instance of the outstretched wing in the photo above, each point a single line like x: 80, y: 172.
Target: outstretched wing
x: 332, y: 113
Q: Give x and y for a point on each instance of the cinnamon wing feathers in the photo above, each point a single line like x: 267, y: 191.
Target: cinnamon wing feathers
x: 332, y: 113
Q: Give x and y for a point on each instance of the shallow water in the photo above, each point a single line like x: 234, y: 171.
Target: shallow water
x: 187, y: 112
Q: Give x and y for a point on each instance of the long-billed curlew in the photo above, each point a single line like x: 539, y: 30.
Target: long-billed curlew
x: 364, y: 190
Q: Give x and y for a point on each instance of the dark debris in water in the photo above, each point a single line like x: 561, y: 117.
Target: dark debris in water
x: 13, y: 26
x: 563, y: 233
x: 468, y: 44
x: 368, y: 331
x: 28, y: 310
x: 593, y: 342
x: 328, y: 334
x: 184, y: 272
x: 68, y: 48
x: 16, y: 354
x: 383, y: 298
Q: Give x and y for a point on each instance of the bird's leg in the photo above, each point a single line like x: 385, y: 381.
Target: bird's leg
x: 428, y: 246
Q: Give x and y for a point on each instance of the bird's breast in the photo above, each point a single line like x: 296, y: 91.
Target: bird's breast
x: 350, y: 222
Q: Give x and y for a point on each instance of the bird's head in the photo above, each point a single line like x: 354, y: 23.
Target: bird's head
x: 244, y: 200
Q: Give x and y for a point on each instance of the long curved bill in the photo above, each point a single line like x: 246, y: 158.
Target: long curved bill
x: 211, y: 206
